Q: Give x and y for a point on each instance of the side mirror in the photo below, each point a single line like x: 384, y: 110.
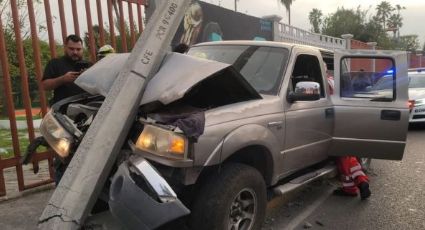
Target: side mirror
x: 305, y: 91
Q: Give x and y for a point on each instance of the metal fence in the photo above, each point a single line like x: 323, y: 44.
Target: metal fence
x: 125, y: 16
x: 288, y: 33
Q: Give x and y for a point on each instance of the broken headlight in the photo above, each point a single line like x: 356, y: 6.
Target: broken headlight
x: 162, y: 142
x: 57, y: 137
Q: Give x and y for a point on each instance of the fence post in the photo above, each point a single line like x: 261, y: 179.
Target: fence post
x: 419, y: 57
x: 276, y: 31
x: 75, y: 17
x: 111, y: 25
x: 373, y: 45
x: 100, y: 23
x: 3, y: 108
x: 347, y: 38
x: 92, y: 45
x: 63, y: 20
x: 123, y: 32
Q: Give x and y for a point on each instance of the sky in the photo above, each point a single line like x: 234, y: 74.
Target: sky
x: 414, y: 12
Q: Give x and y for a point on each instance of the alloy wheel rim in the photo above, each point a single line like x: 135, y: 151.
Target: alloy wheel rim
x: 243, y: 210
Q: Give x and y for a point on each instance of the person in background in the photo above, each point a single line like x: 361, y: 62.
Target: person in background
x: 104, y: 51
x: 59, y: 76
x: 352, y: 177
x: 60, y: 73
x: 330, y: 80
x: 361, y: 81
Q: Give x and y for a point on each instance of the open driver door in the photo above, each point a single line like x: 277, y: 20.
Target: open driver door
x: 370, y: 104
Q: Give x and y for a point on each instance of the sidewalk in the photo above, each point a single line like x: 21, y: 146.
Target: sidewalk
x: 22, y: 124
x: 23, y: 213
x: 21, y: 210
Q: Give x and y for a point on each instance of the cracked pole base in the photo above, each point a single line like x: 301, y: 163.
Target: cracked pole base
x: 82, y: 182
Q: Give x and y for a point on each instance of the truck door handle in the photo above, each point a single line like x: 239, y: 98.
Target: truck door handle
x: 329, y: 113
x: 391, y: 115
x: 277, y: 124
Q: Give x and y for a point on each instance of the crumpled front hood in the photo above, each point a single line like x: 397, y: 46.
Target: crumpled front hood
x: 254, y: 108
x: 177, y: 75
x: 416, y: 93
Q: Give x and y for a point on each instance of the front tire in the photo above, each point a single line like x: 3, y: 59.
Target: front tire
x: 234, y: 198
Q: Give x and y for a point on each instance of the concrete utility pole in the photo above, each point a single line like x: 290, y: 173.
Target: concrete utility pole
x: 348, y: 38
x: 419, y: 54
x: 373, y: 45
x: 82, y: 183
x: 409, y: 57
x: 3, y: 110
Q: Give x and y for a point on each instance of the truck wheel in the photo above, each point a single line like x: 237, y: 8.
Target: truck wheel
x: 232, y: 199
x: 365, y: 163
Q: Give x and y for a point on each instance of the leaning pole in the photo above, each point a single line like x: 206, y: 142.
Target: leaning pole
x: 82, y: 183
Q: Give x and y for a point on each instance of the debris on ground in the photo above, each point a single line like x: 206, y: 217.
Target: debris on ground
x: 319, y: 223
x: 307, y: 225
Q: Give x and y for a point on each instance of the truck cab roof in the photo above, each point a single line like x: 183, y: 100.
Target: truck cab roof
x: 263, y: 43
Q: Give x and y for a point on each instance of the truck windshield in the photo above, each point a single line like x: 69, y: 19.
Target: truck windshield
x: 261, y: 66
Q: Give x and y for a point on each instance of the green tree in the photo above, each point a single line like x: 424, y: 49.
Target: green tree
x: 11, y: 48
x: 384, y: 11
x: 364, y: 27
x: 96, y: 32
x: 315, y: 17
x: 409, y: 43
x: 287, y: 4
x: 345, y: 21
x: 375, y: 32
x: 398, y: 8
x: 395, y: 22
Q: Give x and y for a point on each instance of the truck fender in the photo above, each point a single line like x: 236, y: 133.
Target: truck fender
x: 243, y: 137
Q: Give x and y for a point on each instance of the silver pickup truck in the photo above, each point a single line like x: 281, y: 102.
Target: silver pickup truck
x: 220, y: 127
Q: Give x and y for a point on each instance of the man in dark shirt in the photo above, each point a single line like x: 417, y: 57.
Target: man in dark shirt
x: 60, y: 73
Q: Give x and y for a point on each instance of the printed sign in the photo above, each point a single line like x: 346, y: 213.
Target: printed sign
x: 205, y: 22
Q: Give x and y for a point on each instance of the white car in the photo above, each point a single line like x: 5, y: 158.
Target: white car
x: 417, y: 96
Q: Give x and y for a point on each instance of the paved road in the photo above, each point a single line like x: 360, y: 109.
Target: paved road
x: 23, y: 213
x: 398, y: 200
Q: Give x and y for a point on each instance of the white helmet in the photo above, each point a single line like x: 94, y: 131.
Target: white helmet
x: 105, y: 50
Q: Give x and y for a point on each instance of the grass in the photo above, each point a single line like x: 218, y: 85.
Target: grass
x: 6, y: 143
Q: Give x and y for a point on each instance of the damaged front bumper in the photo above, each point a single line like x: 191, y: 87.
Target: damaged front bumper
x: 140, y: 198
